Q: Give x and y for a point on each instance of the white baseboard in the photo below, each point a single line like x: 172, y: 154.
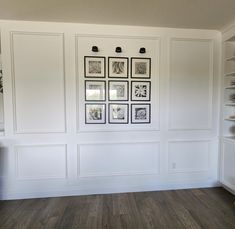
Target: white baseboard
x: 77, y: 191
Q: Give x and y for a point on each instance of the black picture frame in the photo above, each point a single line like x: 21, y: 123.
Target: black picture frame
x: 118, y: 81
x: 149, y: 91
x: 103, y: 121
x: 93, y: 81
x: 148, y: 69
x: 118, y: 122
x: 141, y: 105
x: 103, y: 67
x: 117, y: 76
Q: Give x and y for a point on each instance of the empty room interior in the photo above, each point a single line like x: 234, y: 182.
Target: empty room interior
x: 117, y: 114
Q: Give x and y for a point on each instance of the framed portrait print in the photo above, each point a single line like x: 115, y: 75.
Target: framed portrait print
x: 95, y: 113
x: 94, y: 66
x: 118, y: 67
x: 141, y: 68
x: 95, y: 90
x: 118, y: 90
x: 118, y: 113
x: 140, y: 113
x: 140, y: 90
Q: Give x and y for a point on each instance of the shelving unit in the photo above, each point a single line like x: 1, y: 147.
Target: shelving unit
x: 227, y: 175
x: 1, y: 98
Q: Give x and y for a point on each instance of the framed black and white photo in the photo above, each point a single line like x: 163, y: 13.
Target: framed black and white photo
x: 140, y: 90
x: 118, y: 113
x: 118, y: 67
x: 94, y: 66
x: 95, y: 113
x: 118, y: 90
x: 141, y: 68
x: 95, y: 90
x: 140, y: 113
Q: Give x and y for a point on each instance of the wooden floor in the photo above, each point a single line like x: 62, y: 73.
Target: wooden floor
x: 197, y: 208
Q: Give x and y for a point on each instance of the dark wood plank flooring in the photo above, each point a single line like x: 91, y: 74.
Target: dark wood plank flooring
x: 196, y: 208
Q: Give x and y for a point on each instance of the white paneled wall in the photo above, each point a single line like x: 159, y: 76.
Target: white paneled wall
x: 191, y: 77
x: 181, y: 156
x: 227, y: 164
x: 131, y: 46
x: 47, y: 150
x: 118, y: 159
x: 38, y: 82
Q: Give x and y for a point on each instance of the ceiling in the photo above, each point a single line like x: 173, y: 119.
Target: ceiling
x: 198, y: 14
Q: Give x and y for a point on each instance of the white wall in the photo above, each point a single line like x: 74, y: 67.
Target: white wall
x: 47, y: 150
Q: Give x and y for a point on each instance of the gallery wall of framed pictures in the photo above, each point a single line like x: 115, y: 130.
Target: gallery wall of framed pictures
x: 117, y: 90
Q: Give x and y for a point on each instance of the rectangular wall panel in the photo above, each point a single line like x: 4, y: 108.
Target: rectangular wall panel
x: 188, y: 156
x: 38, y: 76
x: 41, y: 162
x: 118, y: 159
x: 228, y: 162
x: 130, y: 46
x: 190, y: 84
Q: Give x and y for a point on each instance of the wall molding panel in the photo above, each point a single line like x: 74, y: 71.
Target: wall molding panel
x: 120, y: 153
x: 16, y: 67
x: 193, y: 155
x: 107, y: 44
x: 185, y: 86
x: 227, y: 164
x: 41, y: 162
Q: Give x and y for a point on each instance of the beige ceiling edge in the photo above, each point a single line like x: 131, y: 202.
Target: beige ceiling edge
x: 107, y: 26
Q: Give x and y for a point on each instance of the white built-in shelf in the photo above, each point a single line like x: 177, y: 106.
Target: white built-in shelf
x: 230, y: 73
x: 229, y: 119
x: 230, y: 87
x: 232, y: 58
x: 231, y: 39
x: 230, y: 138
x: 230, y: 104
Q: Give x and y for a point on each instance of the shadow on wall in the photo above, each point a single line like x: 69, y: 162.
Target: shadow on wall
x: 3, y: 167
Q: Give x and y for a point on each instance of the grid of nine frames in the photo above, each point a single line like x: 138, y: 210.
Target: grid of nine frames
x: 125, y: 86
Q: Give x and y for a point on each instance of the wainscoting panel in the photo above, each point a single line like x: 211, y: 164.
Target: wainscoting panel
x: 118, y: 159
x: 41, y: 162
x: 188, y: 156
x: 38, y: 82
x: 130, y: 46
x: 228, y: 162
x: 190, y: 84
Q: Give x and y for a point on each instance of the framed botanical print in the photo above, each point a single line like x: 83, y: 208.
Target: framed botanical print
x: 94, y: 66
x: 95, y: 90
x: 141, y: 68
x: 140, y: 113
x: 140, y: 90
x: 118, y: 113
x: 118, y: 90
x: 118, y: 67
x: 95, y: 113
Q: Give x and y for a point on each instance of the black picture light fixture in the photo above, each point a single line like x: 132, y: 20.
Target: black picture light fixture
x: 142, y: 50
x: 118, y: 49
x: 95, y: 49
